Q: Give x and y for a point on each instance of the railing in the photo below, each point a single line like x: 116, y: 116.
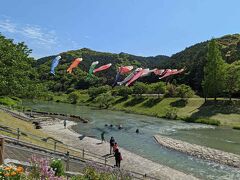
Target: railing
x: 58, y: 148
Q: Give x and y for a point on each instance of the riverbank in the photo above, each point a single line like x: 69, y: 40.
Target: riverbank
x: 222, y: 112
x: 206, y: 153
x: 130, y: 161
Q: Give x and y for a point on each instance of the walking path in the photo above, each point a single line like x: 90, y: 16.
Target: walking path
x: 130, y: 161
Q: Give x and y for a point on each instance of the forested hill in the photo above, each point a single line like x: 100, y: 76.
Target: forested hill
x: 77, y: 80
x: 192, y: 58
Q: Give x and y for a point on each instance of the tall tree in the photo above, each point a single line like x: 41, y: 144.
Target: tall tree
x: 214, y: 72
x: 233, y: 78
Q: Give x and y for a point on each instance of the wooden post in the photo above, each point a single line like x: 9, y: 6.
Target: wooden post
x: 55, y: 146
x: 67, y: 161
x: 105, y: 161
x: 1, y: 150
x: 83, y: 152
x: 18, y: 134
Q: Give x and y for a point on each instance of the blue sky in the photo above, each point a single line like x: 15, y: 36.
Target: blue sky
x: 141, y: 27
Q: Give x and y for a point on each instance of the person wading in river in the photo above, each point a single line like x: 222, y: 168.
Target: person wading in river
x: 65, y: 123
x: 102, y: 136
x: 112, y: 141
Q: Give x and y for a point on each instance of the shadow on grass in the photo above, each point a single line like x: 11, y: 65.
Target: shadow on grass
x: 211, y: 108
x: 120, y: 100
x: 151, y: 102
x: 179, y: 103
x: 136, y: 100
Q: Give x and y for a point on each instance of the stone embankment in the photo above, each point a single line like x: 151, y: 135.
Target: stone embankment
x: 202, y: 152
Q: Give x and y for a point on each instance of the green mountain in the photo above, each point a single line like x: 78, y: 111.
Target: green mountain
x: 192, y: 59
x: 63, y: 81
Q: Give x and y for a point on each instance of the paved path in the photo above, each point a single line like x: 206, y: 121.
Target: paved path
x: 130, y: 161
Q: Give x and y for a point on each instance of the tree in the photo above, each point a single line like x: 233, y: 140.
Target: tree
x: 93, y: 92
x: 73, y: 97
x: 171, y: 90
x: 184, y: 91
x: 233, y: 78
x: 214, y: 72
x: 122, y: 91
x: 105, y: 100
x: 140, y: 88
x: 158, y: 88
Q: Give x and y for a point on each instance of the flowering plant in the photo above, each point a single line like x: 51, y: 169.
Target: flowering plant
x: 11, y: 172
x: 40, y: 169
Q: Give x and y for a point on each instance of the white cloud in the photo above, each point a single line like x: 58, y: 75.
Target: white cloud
x: 32, y: 32
x: 7, y: 26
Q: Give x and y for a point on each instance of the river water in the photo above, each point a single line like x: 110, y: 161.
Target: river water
x: 144, y: 144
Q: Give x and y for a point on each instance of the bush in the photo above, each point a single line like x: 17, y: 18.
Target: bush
x: 140, y: 88
x: 171, y: 90
x: 57, y: 166
x: 158, y: 88
x: 202, y: 120
x: 236, y: 127
x: 105, y: 100
x: 122, y: 91
x: 184, y: 91
x: 171, y: 113
x: 94, y: 172
x: 73, y: 97
x: 93, y: 92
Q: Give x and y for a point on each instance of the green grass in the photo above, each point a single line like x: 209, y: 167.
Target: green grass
x: 28, y: 130
x: 215, y: 113
x: 9, y: 101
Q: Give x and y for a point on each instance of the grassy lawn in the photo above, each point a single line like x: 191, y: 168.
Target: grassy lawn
x: 28, y: 128
x: 224, y: 112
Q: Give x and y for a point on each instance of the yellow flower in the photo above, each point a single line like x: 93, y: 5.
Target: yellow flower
x: 7, y: 168
x: 13, y: 173
x: 19, y: 169
x: 7, y: 174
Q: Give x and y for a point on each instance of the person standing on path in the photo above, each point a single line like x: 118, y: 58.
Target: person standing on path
x: 118, y: 158
x: 102, y: 136
x: 112, y: 142
x: 65, y: 123
x: 115, y: 147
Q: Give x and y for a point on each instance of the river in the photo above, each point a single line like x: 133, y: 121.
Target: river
x: 143, y: 144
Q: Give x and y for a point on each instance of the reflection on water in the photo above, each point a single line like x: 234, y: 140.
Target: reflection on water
x: 144, y: 144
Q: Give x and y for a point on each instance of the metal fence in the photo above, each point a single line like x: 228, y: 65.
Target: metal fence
x: 55, y: 148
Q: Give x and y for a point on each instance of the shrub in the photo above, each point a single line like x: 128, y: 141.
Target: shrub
x: 184, y: 91
x: 236, y: 127
x: 158, y: 88
x: 171, y: 90
x: 93, y: 92
x: 122, y: 91
x: 140, y: 88
x: 171, y: 113
x: 202, y: 120
x: 9, y: 171
x: 73, y: 97
x: 57, y: 166
x: 94, y: 172
x: 105, y: 100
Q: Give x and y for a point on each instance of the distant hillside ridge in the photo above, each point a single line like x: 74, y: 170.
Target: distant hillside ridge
x: 192, y: 58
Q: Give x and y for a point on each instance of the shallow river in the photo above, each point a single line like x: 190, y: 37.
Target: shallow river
x: 144, y: 144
